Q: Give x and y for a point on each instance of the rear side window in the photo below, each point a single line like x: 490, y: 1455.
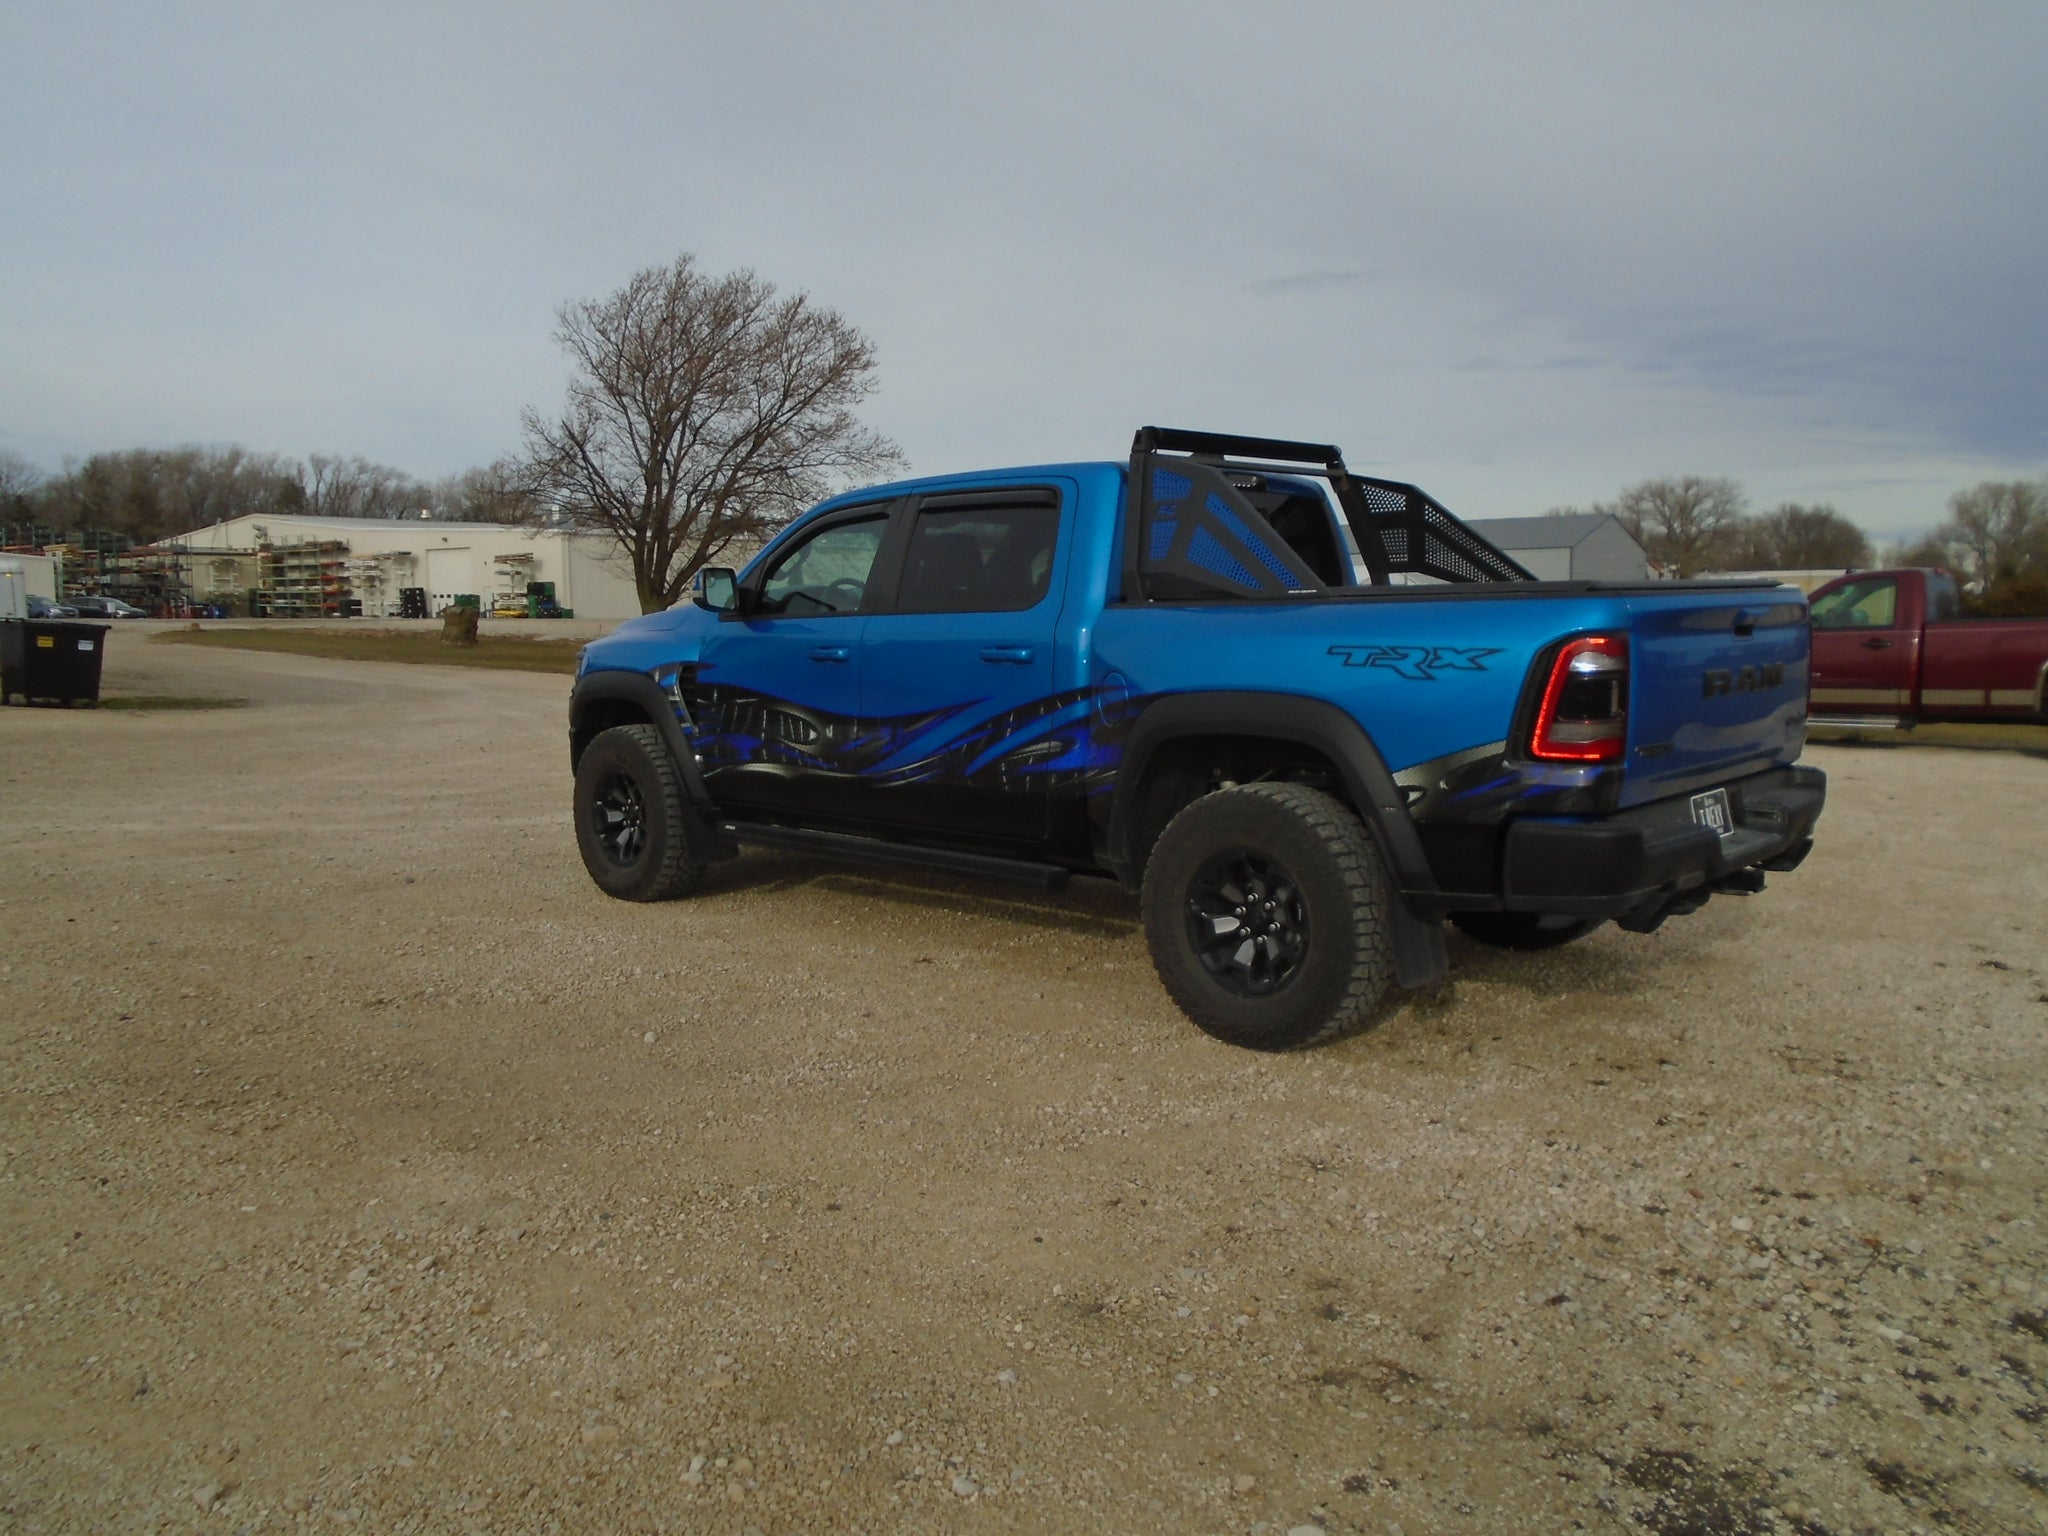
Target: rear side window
x: 1871, y: 604
x: 995, y: 559
x: 1303, y: 522
x: 1944, y: 599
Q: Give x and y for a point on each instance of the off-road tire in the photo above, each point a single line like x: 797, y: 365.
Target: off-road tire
x: 625, y: 766
x: 1523, y: 930
x: 1346, y: 963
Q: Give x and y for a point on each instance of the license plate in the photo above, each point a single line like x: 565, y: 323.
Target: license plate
x: 1711, y: 810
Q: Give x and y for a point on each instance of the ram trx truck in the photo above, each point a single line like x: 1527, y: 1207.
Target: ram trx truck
x: 1892, y: 647
x: 1307, y: 715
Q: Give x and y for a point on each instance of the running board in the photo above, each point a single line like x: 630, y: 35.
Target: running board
x: 841, y: 845
x: 1860, y: 722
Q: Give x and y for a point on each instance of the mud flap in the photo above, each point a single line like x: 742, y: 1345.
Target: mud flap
x: 1420, y: 956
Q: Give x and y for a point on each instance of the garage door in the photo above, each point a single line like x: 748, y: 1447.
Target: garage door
x: 449, y: 574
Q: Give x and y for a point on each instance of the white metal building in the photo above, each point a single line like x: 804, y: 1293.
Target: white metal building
x: 1804, y: 580
x: 1572, y: 546
x: 26, y: 576
x: 374, y: 559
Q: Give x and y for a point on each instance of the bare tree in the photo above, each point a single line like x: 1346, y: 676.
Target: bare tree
x: 1687, y: 524
x: 1997, y: 528
x: 148, y: 493
x: 1926, y: 551
x: 1796, y: 538
x: 211, y: 485
x: 489, y: 493
x: 114, y: 493
x: 17, y: 477
x: 704, y: 411
x: 355, y: 487
x: 145, y: 494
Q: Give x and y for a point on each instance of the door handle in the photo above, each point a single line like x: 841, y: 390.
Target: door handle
x: 1877, y: 643
x: 1019, y: 655
x: 831, y: 653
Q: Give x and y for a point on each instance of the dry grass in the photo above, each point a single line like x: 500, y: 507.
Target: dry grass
x: 1987, y: 736
x: 501, y: 652
x: 155, y: 701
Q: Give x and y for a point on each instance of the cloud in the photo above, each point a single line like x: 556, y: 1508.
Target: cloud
x: 1523, y: 254
x: 1311, y: 282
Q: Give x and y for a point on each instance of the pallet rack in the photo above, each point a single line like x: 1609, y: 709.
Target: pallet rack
x: 510, y: 577
x: 306, y: 580
x: 376, y: 582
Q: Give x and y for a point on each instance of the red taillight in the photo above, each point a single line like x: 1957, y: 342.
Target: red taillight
x: 1584, y: 714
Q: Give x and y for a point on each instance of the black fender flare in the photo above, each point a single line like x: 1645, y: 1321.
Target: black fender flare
x: 1420, y: 956
x: 646, y: 696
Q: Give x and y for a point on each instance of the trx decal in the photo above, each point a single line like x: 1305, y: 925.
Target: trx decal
x: 1419, y: 662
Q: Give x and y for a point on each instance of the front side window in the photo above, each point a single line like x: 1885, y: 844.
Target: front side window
x: 1870, y: 604
x: 979, y: 559
x: 825, y: 573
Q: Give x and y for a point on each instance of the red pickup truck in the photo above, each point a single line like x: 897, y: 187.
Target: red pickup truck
x: 1894, y: 646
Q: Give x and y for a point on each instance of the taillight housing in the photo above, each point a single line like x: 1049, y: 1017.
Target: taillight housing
x: 1584, y: 714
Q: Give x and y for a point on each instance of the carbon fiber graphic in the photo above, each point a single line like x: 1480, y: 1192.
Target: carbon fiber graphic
x: 1043, y: 746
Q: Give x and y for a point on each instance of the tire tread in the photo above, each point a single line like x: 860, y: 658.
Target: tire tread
x: 682, y: 863
x: 1359, y: 871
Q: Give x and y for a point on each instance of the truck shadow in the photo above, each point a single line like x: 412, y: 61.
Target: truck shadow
x: 1606, y: 963
x: 1092, y: 908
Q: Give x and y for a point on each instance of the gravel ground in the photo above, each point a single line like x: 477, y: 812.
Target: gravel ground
x: 365, y: 1168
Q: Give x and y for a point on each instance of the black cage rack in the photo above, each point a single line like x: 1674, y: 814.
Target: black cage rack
x: 1199, y: 530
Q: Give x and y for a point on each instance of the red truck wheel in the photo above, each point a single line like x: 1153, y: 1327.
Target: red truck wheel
x: 1266, y: 912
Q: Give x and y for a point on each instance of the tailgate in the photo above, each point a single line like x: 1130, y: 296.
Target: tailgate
x: 1717, y: 685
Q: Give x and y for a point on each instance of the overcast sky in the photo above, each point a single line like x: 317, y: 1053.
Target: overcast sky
x: 1522, y: 254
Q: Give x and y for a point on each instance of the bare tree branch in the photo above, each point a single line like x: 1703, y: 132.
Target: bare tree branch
x: 704, y: 411
x: 1796, y: 538
x: 1997, y: 529
x: 1686, y: 524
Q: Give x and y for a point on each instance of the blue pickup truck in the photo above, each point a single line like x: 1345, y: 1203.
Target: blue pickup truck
x: 1306, y: 714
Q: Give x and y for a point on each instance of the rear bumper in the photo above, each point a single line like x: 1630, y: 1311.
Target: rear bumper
x: 1654, y: 859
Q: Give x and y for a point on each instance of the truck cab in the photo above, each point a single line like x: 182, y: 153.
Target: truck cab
x: 1894, y: 646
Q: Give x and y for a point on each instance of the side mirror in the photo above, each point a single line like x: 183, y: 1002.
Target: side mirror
x: 717, y: 589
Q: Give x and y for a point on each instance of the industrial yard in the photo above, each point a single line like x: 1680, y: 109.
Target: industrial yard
x: 383, y: 568
x: 365, y: 1168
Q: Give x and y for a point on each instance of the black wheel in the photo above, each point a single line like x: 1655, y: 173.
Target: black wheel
x: 1523, y: 930
x: 1266, y: 911
x: 637, y: 836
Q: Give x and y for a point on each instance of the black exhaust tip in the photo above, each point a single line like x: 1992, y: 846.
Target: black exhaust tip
x: 1649, y: 917
x: 1791, y: 858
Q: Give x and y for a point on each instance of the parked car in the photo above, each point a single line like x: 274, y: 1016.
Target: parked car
x: 105, y: 608
x: 1895, y: 646
x: 44, y: 608
x: 1172, y: 671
